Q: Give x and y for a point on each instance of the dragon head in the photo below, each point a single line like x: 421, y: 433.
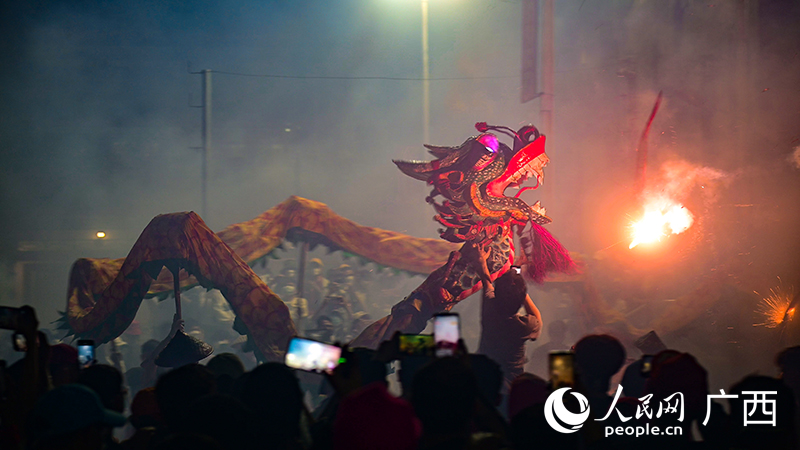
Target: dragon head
x: 473, y: 177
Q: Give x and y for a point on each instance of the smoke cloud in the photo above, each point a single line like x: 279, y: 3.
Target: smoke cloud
x: 794, y: 158
x: 99, y: 127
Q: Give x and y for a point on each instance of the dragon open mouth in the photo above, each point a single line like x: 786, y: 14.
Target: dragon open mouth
x: 528, y: 163
x: 524, y: 174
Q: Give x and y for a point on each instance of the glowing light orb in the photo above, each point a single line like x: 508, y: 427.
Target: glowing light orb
x: 100, y: 234
x: 661, y: 216
x: 776, y: 308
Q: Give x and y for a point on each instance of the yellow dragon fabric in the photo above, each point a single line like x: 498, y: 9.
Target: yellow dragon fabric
x: 105, y: 294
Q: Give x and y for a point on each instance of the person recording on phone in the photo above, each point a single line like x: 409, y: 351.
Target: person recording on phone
x: 503, y: 330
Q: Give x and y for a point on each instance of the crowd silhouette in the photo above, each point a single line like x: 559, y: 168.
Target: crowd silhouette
x: 471, y: 400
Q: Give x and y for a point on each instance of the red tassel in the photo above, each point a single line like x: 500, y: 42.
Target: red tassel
x: 545, y: 254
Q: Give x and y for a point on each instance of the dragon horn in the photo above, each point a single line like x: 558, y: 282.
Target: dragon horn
x: 484, y: 127
x: 439, y: 151
x: 415, y: 169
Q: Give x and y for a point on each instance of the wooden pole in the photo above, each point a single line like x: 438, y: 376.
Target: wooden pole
x: 301, y: 270
x: 301, y: 278
x: 176, y: 287
x: 426, y: 84
x: 206, y: 139
x: 548, y: 71
x: 530, y: 50
x: 548, y: 88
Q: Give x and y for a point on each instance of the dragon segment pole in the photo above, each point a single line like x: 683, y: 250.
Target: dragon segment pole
x: 206, y: 138
x: 301, y: 280
x: 176, y: 283
x: 182, y: 349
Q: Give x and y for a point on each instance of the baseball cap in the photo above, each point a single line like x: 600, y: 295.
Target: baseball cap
x: 73, y: 407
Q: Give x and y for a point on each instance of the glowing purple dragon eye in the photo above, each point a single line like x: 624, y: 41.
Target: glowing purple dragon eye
x: 490, y: 142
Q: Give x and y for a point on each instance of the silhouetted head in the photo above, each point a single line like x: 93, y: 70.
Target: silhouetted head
x: 782, y: 434
x: 223, y: 418
x: 148, y: 348
x: 634, y: 380
x: 510, y: 291
x: 409, y: 366
x: 63, y: 364
x: 144, y: 409
x: 370, y: 368
x: 788, y: 361
x: 106, y: 381
x: 680, y: 373
x: 273, y: 393
x: 526, y: 390
x: 227, y: 368
x: 597, y: 358
x: 489, y: 377
x: 226, y: 364
x: 529, y: 430
x: 177, y: 389
x: 71, y: 416
x: 443, y: 394
x: 371, y: 418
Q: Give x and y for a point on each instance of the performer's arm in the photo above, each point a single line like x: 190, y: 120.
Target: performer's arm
x: 149, y: 364
x: 531, y: 308
x: 480, y: 256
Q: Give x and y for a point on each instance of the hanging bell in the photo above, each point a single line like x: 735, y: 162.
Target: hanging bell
x: 182, y: 349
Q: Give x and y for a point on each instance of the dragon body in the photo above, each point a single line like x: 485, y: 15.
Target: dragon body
x: 105, y: 294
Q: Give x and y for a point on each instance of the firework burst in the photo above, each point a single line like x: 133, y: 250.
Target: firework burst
x: 776, y: 308
x: 661, y: 216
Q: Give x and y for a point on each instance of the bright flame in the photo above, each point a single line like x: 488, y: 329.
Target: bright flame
x: 775, y: 308
x: 660, y: 216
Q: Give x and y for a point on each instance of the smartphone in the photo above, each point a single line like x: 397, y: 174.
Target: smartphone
x: 446, y: 333
x: 416, y: 344
x: 312, y: 356
x: 20, y: 343
x: 647, y: 365
x: 562, y: 369
x: 85, y: 353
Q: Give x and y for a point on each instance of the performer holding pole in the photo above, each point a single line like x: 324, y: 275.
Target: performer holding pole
x: 504, y: 331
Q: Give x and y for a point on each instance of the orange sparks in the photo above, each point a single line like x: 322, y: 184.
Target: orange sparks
x: 661, y: 216
x: 776, y: 308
